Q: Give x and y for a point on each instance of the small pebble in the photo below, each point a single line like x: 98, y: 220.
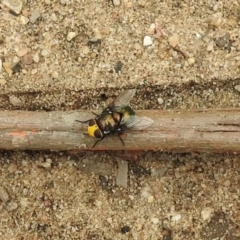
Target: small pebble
x: 24, y: 20
x: 11, y: 206
x: 215, y: 21
x: 147, y: 41
x: 8, y: 67
x: 155, y: 220
x: 150, y: 199
x: 116, y: 2
x: 85, y: 50
x: 152, y: 28
x: 46, y: 165
x: 145, y: 194
x: 34, y: 71
x: 22, y: 52
x: 16, y: 67
x: 36, y: 58
x: 125, y: 229
x: 16, y: 59
x: 14, y: 5
x: 160, y: 101
x: 34, y: 16
x: 27, y: 59
x: 206, y: 213
x: 15, y: 101
x: 98, y: 203
x: 109, y: 220
x: 198, y: 35
x: 210, y: 46
x: 176, y: 217
x: 222, y: 41
x: 71, y: 35
x: 118, y: 66
x: 94, y: 41
x: 227, y: 183
x: 25, y: 13
x: 173, y: 40
x: 25, y: 191
x: 237, y: 87
x: 24, y: 202
x: 4, y: 197
x: 45, y: 52
x: 191, y: 61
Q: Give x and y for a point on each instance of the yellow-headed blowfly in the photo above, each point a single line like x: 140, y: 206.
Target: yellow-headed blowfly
x: 116, y: 118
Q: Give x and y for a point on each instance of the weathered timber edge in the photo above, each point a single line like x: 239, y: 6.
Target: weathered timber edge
x: 210, y: 130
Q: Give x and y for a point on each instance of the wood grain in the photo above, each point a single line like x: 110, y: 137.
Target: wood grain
x: 210, y: 130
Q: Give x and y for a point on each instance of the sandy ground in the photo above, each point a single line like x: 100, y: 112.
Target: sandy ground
x: 69, y: 55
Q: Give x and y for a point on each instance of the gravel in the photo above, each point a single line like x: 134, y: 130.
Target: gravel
x: 67, y: 55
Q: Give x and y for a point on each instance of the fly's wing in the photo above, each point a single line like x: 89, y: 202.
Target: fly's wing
x: 123, y: 99
x: 139, y: 123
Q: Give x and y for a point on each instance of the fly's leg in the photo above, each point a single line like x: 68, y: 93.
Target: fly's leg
x: 99, y: 140
x: 95, y: 114
x: 119, y: 136
x: 83, y: 121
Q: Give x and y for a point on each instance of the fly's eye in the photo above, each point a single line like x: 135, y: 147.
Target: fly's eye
x: 91, y: 122
x: 97, y: 133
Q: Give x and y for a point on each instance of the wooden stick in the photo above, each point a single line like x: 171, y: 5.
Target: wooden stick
x: 210, y: 130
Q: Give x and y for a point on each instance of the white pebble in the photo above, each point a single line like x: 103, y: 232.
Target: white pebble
x: 45, y: 52
x: 153, y: 26
x: 15, y: 59
x: 147, y: 41
x: 71, y: 35
x: 206, y: 213
x: 160, y: 100
x: 98, y: 203
x: 237, y: 87
x: 14, y: 5
x: 191, y: 61
x: 176, y: 217
x: 151, y: 199
x: 36, y: 58
x: 24, y: 20
x: 145, y: 194
x: 109, y: 220
x: 198, y: 35
x: 116, y: 2
x: 155, y: 220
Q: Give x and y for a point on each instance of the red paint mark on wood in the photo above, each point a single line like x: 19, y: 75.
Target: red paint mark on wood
x: 18, y: 134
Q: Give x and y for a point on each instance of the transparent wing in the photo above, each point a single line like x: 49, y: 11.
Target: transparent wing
x: 139, y: 123
x: 124, y: 98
